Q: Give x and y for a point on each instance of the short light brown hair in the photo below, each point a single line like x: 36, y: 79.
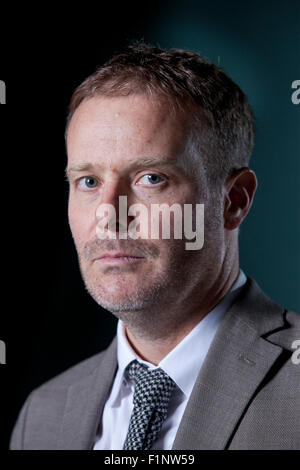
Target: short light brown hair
x: 192, y: 85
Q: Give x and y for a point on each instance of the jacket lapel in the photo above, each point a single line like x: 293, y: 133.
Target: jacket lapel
x: 236, y: 364
x: 85, y: 403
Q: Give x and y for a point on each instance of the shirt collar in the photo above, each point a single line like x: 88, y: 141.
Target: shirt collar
x: 184, y: 362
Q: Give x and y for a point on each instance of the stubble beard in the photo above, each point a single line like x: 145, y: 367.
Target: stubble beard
x: 148, y: 309
x: 157, y: 306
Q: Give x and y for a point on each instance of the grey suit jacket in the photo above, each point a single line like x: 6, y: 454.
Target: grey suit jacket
x: 247, y: 394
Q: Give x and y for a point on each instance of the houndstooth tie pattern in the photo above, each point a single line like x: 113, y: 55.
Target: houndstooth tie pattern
x: 152, y: 393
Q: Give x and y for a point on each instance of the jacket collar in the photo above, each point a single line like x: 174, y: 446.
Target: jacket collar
x: 242, y: 353
x: 85, y: 402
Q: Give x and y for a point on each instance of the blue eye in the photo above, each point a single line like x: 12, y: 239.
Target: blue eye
x: 151, y: 179
x: 88, y: 182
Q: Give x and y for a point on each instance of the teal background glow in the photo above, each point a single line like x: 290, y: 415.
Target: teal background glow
x: 258, y: 46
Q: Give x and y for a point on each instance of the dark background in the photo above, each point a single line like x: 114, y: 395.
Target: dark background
x: 48, y: 321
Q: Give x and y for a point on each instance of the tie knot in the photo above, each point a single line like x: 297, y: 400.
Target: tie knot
x: 153, y: 388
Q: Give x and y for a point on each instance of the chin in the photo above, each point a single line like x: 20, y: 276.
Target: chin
x: 115, y: 298
x: 127, y: 293
x: 120, y: 305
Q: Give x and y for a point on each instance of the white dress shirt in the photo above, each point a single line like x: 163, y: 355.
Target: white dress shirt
x: 182, y: 364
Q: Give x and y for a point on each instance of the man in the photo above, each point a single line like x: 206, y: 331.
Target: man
x: 202, y: 358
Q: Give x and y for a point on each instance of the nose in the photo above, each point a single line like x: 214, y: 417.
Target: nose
x: 111, y: 190
x: 113, y: 205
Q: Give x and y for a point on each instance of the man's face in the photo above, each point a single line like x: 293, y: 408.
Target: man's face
x: 135, y: 147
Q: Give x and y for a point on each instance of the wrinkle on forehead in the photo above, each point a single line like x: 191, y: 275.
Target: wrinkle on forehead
x: 119, y: 129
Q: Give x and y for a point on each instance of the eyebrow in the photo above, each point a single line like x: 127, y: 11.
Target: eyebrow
x: 79, y: 167
x: 140, y: 163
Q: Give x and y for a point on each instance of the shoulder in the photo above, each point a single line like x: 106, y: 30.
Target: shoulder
x: 44, y: 407
x: 264, y: 314
x: 72, y: 375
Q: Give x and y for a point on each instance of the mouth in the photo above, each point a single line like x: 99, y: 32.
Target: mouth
x: 118, y: 258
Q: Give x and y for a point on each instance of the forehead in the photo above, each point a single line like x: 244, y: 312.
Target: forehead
x: 126, y: 127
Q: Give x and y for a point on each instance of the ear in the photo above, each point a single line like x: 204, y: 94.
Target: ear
x: 240, y: 188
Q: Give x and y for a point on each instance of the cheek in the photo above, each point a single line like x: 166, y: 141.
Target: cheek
x: 81, y: 222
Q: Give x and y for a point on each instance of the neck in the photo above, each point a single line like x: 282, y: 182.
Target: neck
x: 154, y: 349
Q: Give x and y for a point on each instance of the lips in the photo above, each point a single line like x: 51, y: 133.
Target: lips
x: 118, y: 258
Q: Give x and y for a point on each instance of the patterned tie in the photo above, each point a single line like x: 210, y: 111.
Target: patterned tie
x: 152, y: 393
